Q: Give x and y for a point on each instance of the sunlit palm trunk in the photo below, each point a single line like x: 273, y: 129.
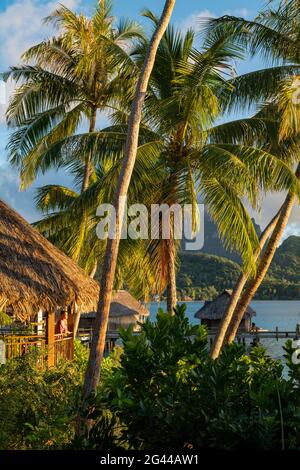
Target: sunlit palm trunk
x: 82, y: 226
x: 84, y: 187
x: 88, y: 163
x: 264, y: 265
x: 110, y: 260
x: 237, y: 291
x: 171, y: 277
x: 94, y: 270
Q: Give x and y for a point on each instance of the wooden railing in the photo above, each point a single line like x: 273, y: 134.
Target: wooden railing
x: 18, y: 346
x: 63, y: 348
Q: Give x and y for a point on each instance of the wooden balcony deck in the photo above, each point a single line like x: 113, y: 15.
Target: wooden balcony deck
x: 20, y: 345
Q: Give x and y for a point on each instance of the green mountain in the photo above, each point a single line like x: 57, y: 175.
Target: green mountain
x: 213, y: 244
x: 286, y: 263
x: 202, y: 275
x: 202, y: 270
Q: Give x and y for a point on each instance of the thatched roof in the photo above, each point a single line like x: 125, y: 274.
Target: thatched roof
x: 124, y: 305
x: 36, y: 275
x: 215, y: 309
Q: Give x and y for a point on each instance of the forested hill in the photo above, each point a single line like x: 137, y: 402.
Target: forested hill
x: 202, y: 275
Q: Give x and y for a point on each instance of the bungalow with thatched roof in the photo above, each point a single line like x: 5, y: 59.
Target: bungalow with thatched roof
x: 213, y: 311
x: 35, y: 276
x: 125, y: 310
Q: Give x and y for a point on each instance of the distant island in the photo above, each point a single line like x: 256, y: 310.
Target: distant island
x: 204, y: 274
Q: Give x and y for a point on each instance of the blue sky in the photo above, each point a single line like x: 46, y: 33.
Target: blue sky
x: 21, y: 26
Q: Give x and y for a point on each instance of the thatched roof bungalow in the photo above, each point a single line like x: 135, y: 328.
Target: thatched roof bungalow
x: 38, y: 279
x: 125, y: 310
x: 35, y: 275
x: 213, y: 311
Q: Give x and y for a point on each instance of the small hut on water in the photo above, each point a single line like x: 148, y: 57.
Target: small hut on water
x: 125, y: 310
x: 213, y: 311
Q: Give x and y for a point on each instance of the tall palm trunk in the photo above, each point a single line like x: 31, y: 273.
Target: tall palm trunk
x: 94, y: 270
x: 264, y: 264
x: 82, y: 226
x: 84, y: 187
x: 237, y: 291
x: 88, y: 161
x: 110, y: 261
x: 171, y: 276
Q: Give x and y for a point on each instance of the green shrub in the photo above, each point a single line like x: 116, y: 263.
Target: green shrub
x: 168, y: 393
x: 38, y: 407
x: 160, y: 391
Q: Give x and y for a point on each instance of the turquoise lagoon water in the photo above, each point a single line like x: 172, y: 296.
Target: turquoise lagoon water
x: 269, y: 314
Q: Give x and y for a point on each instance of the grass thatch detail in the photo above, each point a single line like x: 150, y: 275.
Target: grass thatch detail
x: 35, y: 275
x: 216, y: 309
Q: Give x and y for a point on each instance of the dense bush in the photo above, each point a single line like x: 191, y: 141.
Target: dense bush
x: 168, y: 393
x: 160, y: 391
x: 38, y: 407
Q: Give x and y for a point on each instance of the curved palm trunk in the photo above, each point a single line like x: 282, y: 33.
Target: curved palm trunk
x: 263, y: 265
x: 110, y: 261
x: 171, y: 277
x: 237, y: 291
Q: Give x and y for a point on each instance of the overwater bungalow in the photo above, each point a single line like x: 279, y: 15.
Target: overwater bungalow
x: 213, y: 311
x: 37, y: 282
x: 125, y: 310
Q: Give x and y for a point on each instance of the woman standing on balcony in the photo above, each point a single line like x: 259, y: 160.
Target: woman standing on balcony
x: 61, y: 327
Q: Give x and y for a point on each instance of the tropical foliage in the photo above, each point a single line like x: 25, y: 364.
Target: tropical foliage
x: 187, y: 150
x: 273, y: 35
x: 181, y: 398
x: 186, y: 156
x: 72, y: 77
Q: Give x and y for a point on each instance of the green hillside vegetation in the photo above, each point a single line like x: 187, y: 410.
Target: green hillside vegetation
x: 286, y: 265
x: 202, y: 276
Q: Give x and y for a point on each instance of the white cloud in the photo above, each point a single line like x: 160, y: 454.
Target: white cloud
x: 21, y: 27
x: 240, y: 12
x: 194, y: 21
x: 292, y: 229
x: 243, y: 12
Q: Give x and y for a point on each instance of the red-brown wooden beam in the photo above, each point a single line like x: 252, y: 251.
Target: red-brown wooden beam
x: 50, y: 339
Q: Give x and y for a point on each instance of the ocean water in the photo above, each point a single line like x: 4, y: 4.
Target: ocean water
x: 269, y: 314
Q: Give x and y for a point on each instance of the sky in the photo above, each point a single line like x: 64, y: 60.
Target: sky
x: 21, y: 27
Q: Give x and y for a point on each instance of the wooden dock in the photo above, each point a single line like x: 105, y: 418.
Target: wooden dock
x: 255, y: 336
x: 269, y: 334
x: 242, y: 337
x: 86, y: 335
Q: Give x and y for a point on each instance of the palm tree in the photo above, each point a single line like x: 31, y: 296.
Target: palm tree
x: 237, y: 307
x: 76, y: 75
x: 111, y: 254
x: 187, y: 92
x: 264, y: 264
x: 225, y: 162
x: 274, y: 35
x: 63, y: 207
